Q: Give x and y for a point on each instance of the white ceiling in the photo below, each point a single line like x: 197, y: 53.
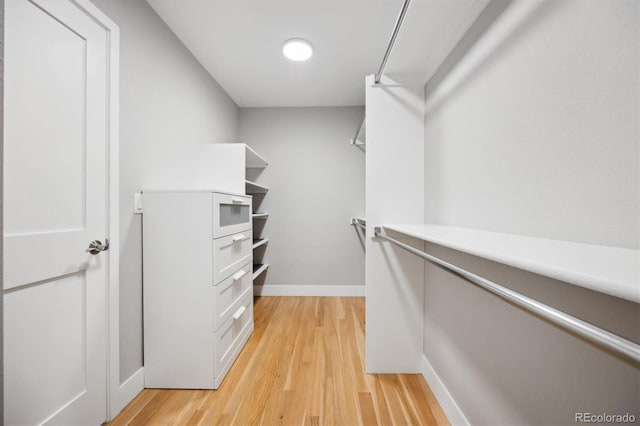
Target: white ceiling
x: 239, y: 42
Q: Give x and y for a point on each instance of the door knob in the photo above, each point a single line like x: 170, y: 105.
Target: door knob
x: 96, y: 246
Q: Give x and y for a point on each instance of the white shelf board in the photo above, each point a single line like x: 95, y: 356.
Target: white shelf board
x: 260, y: 215
x: 254, y: 188
x: 253, y: 160
x: 611, y: 270
x: 260, y: 242
x: 259, y: 269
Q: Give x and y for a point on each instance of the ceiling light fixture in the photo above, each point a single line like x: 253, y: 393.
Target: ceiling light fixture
x: 297, y: 49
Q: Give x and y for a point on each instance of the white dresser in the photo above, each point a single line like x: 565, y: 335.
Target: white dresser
x: 198, y: 293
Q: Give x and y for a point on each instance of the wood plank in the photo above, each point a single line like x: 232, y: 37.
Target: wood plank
x: 134, y: 407
x: 146, y: 414
x: 368, y: 413
x: 303, y: 365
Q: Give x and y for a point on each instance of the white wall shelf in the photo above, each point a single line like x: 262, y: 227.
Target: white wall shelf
x: 254, y: 188
x: 257, y: 242
x: 259, y: 268
x: 610, y: 270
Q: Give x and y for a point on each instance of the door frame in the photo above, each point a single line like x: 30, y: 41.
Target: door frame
x: 116, y: 397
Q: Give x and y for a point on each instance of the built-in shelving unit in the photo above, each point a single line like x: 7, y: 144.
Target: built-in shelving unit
x: 235, y: 168
x: 228, y: 167
x: 258, y: 269
x: 611, y: 270
x: 254, y: 163
x: 253, y: 160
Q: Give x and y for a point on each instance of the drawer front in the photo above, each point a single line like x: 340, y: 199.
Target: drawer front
x: 229, y: 292
x: 231, y: 214
x: 230, y: 253
x: 229, y: 336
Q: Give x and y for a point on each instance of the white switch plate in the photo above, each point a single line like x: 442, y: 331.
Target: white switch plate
x: 137, y: 203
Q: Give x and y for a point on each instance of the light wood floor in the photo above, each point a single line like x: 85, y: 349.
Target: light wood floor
x: 303, y: 365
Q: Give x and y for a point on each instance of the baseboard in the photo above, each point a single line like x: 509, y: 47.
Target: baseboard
x: 309, y: 290
x: 447, y: 403
x: 130, y: 388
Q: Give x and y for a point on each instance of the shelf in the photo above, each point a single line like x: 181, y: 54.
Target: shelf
x: 259, y: 268
x: 253, y: 160
x: 610, y: 270
x: 254, y: 188
x: 260, y: 215
x: 259, y: 242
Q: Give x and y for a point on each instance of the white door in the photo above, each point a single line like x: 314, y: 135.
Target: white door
x: 55, y: 165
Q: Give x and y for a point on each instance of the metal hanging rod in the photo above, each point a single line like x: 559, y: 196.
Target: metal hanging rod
x: 394, y: 35
x: 385, y: 58
x: 611, y: 341
x: 354, y: 141
x: 359, y: 222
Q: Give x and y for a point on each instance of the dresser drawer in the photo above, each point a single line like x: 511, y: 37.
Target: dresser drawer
x: 233, y: 333
x: 230, y: 253
x: 231, y: 214
x: 229, y: 292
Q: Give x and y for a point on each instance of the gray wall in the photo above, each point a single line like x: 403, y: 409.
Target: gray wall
x: 316, y: 182
x: 1, y: 210
x: 540, y: 120
x: 168, y: 105
x: 534, y: 131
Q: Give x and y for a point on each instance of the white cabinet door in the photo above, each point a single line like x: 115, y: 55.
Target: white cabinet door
x: 55, y: 165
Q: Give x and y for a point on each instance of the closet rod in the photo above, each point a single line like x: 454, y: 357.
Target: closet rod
x: 383, y: 64
x: 611, y: 341
x: 394, y: 35
x: 354, y: 141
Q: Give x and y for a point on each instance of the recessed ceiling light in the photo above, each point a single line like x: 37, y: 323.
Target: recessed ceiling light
x: 297, y: 49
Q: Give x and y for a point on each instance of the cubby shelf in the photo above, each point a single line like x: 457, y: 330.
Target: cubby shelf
x: 257, y: 242
x: 259, y: 268
x: 254, y: 188
x: 253, y: 160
